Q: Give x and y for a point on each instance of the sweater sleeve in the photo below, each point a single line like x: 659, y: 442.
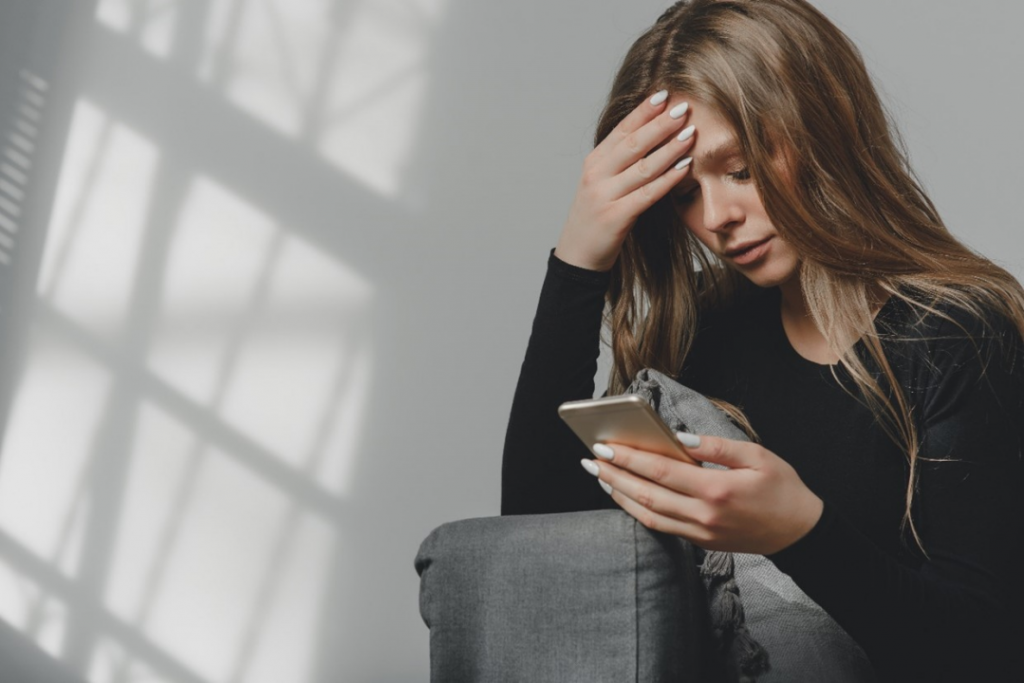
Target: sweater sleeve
x: 541, y: 470
x: 955, y: 617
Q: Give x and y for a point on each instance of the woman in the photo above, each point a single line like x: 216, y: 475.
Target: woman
x: 876, y: 361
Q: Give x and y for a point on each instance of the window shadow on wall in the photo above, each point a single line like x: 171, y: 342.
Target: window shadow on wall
x: 180, y: 446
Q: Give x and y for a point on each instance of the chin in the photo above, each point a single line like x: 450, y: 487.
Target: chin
x: 771, y: 274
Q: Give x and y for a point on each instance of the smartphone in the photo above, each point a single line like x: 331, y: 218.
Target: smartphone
x: 626, y: 419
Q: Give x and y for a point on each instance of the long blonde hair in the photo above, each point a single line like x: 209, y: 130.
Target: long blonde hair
x: 835, y: 181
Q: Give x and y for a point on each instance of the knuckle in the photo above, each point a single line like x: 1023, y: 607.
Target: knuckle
x: 649, y: 521
x: 632, y: 143
x: 645, y: 498
x: 715, y: 447
x: 643, y: 168
x: 718, y: 495
x: 589, y: 176
x: 646, y: 194
x: 661, y: 471
x: 712, y: 521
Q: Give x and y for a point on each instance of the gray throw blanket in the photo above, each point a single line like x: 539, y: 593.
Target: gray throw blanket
x: 775, y: 632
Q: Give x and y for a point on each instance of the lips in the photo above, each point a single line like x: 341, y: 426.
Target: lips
x: 733, y: 251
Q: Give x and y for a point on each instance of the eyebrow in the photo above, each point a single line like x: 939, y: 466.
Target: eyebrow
x: 727, y: 147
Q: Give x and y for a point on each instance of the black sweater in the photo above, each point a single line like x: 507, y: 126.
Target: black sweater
x: 951, y: 618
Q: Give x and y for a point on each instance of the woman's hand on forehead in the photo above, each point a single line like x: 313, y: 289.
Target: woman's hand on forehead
x: 636, y: 165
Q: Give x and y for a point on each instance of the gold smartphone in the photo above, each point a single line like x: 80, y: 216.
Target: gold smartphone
x: 626, y: 419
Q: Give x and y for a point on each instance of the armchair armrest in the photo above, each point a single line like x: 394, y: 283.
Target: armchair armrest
x: 583, y: 596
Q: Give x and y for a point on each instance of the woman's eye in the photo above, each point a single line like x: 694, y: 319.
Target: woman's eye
x: 687, y: 196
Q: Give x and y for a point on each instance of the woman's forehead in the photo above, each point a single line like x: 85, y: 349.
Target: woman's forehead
x: 714, y: 129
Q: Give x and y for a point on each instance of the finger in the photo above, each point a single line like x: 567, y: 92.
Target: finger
x: 634, y: 146
x: 664, y: 470
x: 655, y: 521
x: 653, y: 105
x: 652, y: 496
x: 654, y: 165
x: 647, y: 194
x: 728, y: 452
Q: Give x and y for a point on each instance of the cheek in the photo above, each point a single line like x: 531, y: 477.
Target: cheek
x: 751, y: 200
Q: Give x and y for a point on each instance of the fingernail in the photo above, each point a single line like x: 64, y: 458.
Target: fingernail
x: 590, y: 466
x: 683, y: 163
x: 603, y: 451
x: 607, y: 489
x: 659, y: 98
x: 688, y: 440
x: 679, y: 110
x: 685, y: 135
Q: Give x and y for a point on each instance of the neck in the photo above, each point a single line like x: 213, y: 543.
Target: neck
x: 793, y: 305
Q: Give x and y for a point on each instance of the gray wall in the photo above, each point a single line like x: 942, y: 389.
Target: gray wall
x: 271, y: 278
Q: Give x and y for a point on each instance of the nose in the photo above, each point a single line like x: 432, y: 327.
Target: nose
x: 722, y: 208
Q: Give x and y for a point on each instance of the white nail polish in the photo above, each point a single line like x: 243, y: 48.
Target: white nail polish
x: 679, y: 110
x: 607, y: 489
x: 685, y: 135
x: 659, y: 98
x: 688, y: 440
x: 590, y: 466
x: 603, y: 451
x: 683, y: 163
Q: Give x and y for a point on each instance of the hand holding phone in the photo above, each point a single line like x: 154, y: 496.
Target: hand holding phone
x: 626, y: 419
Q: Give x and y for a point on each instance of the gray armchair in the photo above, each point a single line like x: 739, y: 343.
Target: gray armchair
x: 591, y: 597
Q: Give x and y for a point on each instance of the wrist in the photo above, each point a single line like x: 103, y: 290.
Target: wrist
x: 809, y: 520
x: 815, y: 509
x: 567, y: 271
x: 573, y: 258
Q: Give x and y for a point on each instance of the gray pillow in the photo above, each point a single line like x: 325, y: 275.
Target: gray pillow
x: 588, y: 597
